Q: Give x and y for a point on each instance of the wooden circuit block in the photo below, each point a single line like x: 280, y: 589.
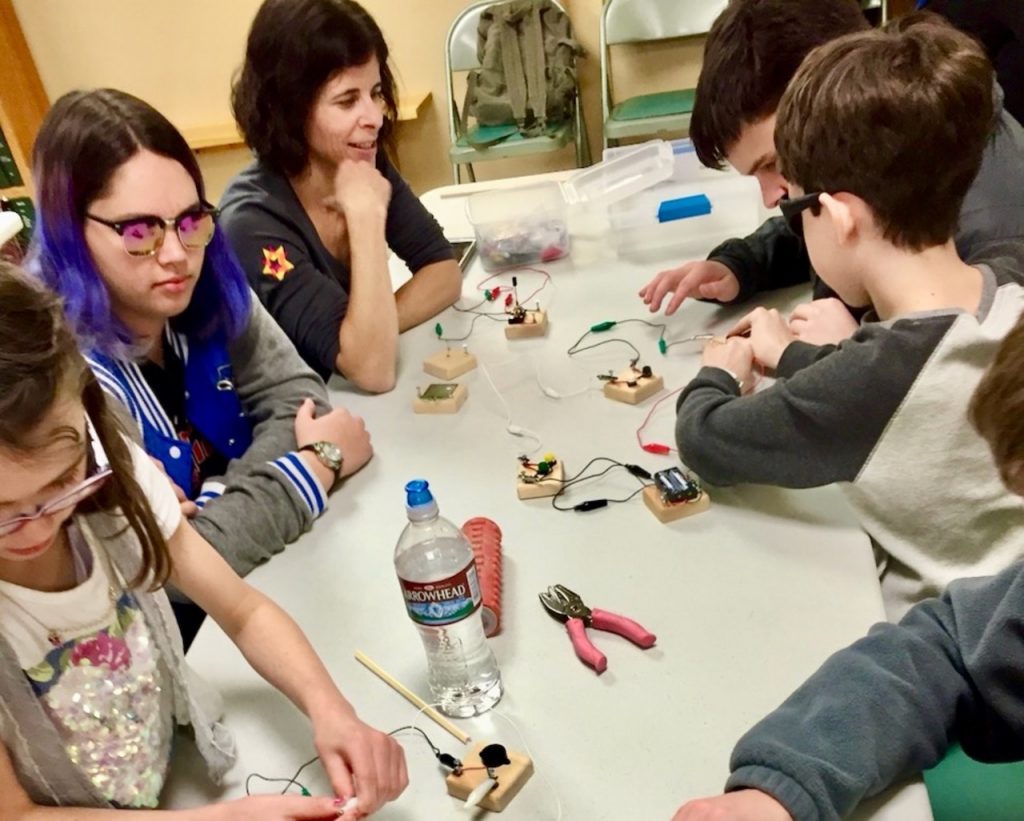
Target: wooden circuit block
x: 511, y: 778
x: 645, y: 387
x: 542, y: 489
x: 449, y: 363
x: 535, y: 324
x: 438, y: 398
x: 666, y: 513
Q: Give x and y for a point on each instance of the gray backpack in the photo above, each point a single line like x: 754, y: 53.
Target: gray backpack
x: 527, y: 76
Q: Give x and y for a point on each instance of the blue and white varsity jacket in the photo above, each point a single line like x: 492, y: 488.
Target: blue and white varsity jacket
x: 243, y: 396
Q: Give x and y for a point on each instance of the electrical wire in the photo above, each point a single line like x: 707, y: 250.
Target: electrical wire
x: 607, y: 325
x: 510, y: 427
x: 505, y: 289
x: 639, y: 473
x: 655, y: 447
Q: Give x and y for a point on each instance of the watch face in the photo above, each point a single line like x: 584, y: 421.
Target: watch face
x: 331, y: 452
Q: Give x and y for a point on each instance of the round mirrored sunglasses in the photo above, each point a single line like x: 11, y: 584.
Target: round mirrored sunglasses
x: 144, y: 235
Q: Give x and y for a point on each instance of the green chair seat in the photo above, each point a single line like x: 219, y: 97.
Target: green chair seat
x: 962, y: 789
x: 515, y: 145
x: 662, y: 104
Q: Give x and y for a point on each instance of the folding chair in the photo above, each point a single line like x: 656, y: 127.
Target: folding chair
x: 641, y: 21
x: 460, y: 55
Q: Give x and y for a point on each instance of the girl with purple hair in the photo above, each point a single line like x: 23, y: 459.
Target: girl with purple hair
x: 169, y: 326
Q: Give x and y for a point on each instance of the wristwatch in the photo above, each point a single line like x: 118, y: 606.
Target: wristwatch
x: 329, y: 455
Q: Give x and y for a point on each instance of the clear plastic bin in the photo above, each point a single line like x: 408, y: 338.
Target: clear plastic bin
x: 519, y: 226
x: 627, y: 172
x: 637, y: 233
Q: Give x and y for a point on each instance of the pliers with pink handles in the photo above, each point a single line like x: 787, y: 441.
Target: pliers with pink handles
x: 564, y: 604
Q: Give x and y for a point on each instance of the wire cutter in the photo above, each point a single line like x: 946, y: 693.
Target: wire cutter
x: 567, y: 606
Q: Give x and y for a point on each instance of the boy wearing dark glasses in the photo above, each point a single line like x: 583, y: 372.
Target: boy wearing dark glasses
x: 880, y: 135
x: 752, y: 52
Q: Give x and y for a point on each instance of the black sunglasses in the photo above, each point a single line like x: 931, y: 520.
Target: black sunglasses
x: 143, y: 235
x: 793, y: 209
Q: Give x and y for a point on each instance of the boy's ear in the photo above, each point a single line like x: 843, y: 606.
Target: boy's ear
x: 841, y: 212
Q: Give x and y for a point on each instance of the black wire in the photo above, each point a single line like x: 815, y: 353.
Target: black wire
x: 554, y: 502
x: 575, y: 349
x: 646, y: 322
x: 494, y: 316
x: 288, y: 782
x: 426, y: 738
x: 579, y: 477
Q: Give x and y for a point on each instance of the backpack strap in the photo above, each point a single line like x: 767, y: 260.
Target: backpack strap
x: 535, y: 61
x: 512, y: 58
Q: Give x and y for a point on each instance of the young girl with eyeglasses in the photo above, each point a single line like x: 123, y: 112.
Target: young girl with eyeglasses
x: 168, y: 324
x: 93, y: 681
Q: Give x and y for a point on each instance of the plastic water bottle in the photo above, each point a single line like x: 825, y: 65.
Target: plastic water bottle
x: 438, y: 577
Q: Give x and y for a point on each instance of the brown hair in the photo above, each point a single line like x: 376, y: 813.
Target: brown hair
x: 997, y: 407
x: 900, y: 118
x: 39, y: 360
x: 752, y: 52
x: 294, y: 47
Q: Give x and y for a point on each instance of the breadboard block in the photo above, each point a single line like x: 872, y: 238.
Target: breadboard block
x: 450, y: 363
x: 511, y: 778
x: 535, y: 324
x: 441, y: 399
x: 645, y: 388
x: 546, y: 487
x: 666, y: 513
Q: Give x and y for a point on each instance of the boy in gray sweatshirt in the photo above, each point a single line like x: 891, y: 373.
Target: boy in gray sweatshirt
x: 880, y: 135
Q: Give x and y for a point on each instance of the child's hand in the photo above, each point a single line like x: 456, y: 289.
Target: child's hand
x: 360, y: 761
x: 822, y: 322
x: 734, y: 355
x: 273, y: 808
x: 702, y: 279
x: 742, y: 805
x: 769, y: 335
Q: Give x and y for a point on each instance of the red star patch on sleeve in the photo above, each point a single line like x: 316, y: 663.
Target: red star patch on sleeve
x: 275, y: 263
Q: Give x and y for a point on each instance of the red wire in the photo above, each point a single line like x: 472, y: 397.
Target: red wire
x: 508, y: 288
x: 660, y: 449
x: 655, y: 447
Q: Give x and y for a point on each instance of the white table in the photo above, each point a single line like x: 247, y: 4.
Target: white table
x: 747, y: 599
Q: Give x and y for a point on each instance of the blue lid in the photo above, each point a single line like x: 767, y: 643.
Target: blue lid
x: 417, y: 493
x: 684, y: 207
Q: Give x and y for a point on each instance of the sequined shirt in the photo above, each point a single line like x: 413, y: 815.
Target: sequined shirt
x: 104, y: 685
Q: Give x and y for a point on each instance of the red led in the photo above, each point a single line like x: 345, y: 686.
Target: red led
x: 657, y: 447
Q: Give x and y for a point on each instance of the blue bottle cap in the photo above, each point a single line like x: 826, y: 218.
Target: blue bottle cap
x: 417, y: 493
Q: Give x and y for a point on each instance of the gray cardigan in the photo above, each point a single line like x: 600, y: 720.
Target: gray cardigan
x: 43, y: 768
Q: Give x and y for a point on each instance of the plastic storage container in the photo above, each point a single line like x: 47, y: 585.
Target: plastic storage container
x: 688, y: 213
x: 622, y: 174
x: 519, y: 226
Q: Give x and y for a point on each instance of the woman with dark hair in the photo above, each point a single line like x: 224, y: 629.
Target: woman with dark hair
x: 169, y: 325
x: 313, y: 218
x: 93, y: 680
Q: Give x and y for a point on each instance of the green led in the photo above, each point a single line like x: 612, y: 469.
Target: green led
x: 662, y: 345
x: 306, y: 792
x: 438, y: 330
x: 607, y: 325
